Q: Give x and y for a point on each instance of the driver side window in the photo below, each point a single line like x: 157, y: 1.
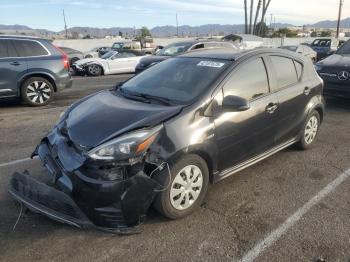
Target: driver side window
x: 250, y: 81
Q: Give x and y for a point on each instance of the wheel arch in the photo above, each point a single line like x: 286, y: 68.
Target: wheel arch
x: 206, y: 155
x: 46, y: 76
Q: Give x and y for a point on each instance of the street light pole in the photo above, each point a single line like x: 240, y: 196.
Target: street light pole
x: 339, y: 16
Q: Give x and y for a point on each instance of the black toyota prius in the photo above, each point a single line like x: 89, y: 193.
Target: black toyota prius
x: 335, y: 71
x: 161, y: 137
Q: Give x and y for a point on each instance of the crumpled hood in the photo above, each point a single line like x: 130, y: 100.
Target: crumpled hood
x: 106, y: 115
x: 89, y: 60
x: 336, y: 60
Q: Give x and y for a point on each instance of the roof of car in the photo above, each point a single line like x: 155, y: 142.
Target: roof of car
x: 232, y: 54
x: 21, y: 37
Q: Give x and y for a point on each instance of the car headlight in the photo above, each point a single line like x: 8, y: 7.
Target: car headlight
x: 128, y: 146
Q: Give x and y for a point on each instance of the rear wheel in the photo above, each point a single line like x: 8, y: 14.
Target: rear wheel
x: 187, y: 187
x: 94, y: 70
x: 37, y: 91
x: 310, y: 130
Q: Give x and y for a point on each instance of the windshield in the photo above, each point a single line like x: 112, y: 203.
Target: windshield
x: 108, y: 54
x: 290, y: 48
x: 321, y: 43
x: 180, y: 80
x: 344, y: 49
x: 174, y: 49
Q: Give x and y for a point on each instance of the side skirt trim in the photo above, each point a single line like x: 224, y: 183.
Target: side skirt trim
x: 254, y: 160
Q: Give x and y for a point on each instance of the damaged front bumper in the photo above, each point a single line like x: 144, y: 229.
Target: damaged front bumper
x: 114, y: 198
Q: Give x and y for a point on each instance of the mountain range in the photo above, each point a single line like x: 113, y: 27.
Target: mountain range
x: 158, y: 31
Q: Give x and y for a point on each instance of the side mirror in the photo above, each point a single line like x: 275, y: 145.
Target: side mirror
x: 235, y: 104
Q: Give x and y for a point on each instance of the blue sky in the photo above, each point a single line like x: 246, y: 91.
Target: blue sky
x: 128, y: 13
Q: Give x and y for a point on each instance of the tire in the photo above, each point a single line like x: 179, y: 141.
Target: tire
x: 94, y: 70
x: 178, y: 201
x: 310, y: 131
x: 37, y: 91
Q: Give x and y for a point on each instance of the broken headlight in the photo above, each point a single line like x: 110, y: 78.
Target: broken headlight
x: 128, y: 146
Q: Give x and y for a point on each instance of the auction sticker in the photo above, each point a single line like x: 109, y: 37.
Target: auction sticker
x: 211, y: 64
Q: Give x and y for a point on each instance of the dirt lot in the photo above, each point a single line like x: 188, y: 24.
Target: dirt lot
x: 294, y: 206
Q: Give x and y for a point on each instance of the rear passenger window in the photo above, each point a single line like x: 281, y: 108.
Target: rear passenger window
x: 299, y: 68
x: 3, y: 49
x: 285, y: 71
x: 7, y: 49
x: 249, y: 81
x: 29, y: 48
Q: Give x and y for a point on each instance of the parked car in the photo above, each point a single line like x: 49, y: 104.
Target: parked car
x: 73, y: 55
x: 335, y: 72
x: 32, y: 69
x: 113, y: 62
x: 97, y: 52
x: 324, y: 47
x: 303, y: 50
x: 165, y: 134
x: 180, y: 48
x: 127, y: 45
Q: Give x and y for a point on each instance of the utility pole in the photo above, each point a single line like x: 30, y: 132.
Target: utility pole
x: 246, y: 16
x: 255, y: 30
x: 251, y: 16
x: 339, y: 16
x: 177, y: 26
x: 65, y: 24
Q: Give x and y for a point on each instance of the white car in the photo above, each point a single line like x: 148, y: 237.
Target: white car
x: 114, y: 62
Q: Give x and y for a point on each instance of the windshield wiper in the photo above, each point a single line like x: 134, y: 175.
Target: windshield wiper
x: 133, y: 96
x: 162, y: 100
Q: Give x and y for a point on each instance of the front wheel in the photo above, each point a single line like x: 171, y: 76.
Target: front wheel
x: 94, y: 70
x: 310, y: 130
x: 186, y: 189
x: 37, y: 91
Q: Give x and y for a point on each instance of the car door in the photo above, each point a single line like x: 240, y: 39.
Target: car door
x: 292, y: 90
x: 243, y: 135
x: 123, y: 62
x: 12, y: 68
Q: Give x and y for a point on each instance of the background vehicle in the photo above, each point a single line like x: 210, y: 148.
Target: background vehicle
x: 32, y: 69
x: 97, y: 52
x: 180, y: 48
x: 113, y: 62
x: 303, y: 50
x: 73, y: 55
x: 324, y: 47
x: 169, y: 131
x: 335, y: 72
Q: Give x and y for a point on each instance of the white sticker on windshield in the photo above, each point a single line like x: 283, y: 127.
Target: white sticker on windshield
x: 211, y: 64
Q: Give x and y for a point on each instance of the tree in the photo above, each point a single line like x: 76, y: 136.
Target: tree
x: 313, y: 34
x: 262, y: 28
x: 326, y: 34
x: 145, y: 32
x: 284, y: 32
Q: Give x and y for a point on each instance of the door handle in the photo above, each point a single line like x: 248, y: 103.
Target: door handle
x: 15, y: 63
x: 307, y: 91
x: 271, y: 108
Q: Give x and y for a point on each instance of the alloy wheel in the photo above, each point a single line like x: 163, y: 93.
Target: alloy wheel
x: 38, y: 92
x: 311, y: 130
x: 94, y: 69
x: 186, y: 187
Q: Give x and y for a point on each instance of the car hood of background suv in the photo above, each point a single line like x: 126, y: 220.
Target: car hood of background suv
x: 336, y: 60
x: 107, y: 115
